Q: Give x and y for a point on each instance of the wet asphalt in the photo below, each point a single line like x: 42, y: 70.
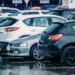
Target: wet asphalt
x: 27, y: 66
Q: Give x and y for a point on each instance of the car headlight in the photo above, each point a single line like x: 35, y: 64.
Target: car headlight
x: 24, y: 45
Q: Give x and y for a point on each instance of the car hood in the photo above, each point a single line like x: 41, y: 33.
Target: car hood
x: 24, y: 39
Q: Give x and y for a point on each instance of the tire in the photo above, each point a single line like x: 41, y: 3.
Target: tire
x: 69, y: 55
x: 34, y: 53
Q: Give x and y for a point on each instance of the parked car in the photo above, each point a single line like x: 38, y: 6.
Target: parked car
x: 58, y: 42
x: 25, y: 46
x: 34, y: 12
x: 9, y: 11
x: 12, y: 28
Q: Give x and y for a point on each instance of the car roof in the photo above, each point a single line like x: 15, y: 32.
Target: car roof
x: 4, y: 17
x: 21, y: 18
x: 39, y: 15
x: 34, y: 10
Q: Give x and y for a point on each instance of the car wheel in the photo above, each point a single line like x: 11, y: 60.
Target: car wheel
x: 69, y: 55
x: 35, y: 53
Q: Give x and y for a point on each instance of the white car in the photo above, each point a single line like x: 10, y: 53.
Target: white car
x: 12, y: 28
x: 9, y: 11
x: 34, y: 12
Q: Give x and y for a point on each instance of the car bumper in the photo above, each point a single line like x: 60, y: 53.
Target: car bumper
x: 18, y: 51
x: 48, y: 50
x: 3, y: 46
x: 43, y: 50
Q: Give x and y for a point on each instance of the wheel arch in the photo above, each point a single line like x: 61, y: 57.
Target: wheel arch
x: 66, y: 49
x: 32, y: 47
x: 65, y: 46
x: 69, y: 44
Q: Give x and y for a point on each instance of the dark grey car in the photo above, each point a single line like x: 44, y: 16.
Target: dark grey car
x: 58, y: 41
x: 25, y: 46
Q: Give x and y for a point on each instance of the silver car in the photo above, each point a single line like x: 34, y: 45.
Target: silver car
x: 25, y: 46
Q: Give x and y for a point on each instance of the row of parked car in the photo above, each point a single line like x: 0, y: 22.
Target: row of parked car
x: 38, y: 35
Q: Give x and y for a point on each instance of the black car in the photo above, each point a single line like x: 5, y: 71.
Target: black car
x: 58, y: 41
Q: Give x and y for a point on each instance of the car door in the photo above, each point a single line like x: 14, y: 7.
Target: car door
x: 37, y: 24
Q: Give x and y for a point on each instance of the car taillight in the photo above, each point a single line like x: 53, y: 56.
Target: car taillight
x: 55, y: 37
x: 9, y: 29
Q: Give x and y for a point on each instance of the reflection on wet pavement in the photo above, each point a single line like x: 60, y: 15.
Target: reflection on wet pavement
x: 35, y: 68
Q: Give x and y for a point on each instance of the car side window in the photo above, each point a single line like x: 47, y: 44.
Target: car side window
x: 55, y: 19
x: 40, y: 22
x: 28, y: 21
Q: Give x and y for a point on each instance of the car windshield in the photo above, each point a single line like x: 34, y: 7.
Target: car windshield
x: 7, y: 22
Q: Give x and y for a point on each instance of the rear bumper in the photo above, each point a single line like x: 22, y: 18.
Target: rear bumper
x: 49, y: 50
x: 43, y: 50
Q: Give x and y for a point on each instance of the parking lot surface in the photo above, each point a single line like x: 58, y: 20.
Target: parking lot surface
x: 28, y: 67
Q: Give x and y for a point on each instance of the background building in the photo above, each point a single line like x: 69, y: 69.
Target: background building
x: 21, y: 3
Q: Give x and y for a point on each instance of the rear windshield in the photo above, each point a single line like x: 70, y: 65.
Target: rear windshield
x: 7, y: 22
x: 9, y: 11
x: 53, y: 27
x: 46, y: 12
x: 12, y: 12
x: 30, y: 13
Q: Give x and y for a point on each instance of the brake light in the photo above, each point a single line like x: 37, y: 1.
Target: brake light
x: 9, y: 29
x: 55, y: 37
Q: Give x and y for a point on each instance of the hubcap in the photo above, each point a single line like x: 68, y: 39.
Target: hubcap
x: 36, y: 54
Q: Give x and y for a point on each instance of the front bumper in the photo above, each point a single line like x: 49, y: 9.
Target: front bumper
x: 18, y: 51
x: 3, y: 46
